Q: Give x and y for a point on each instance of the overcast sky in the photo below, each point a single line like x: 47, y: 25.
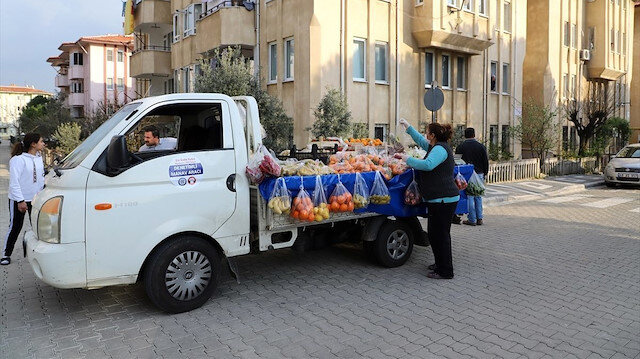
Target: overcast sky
x: 32, y: 30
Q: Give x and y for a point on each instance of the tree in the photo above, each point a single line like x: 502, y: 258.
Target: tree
x: 615, y: 130
x: 232, y: 75
x: 44, y: 117
x: 332, y: 116
x: 91, y: 121
x: 360, y: 130
x: 68, y: 136
x: 589, y: 115
x: 538, y: 129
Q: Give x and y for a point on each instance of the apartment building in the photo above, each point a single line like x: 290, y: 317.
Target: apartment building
x: 383, y: 55
x: 93, y: 71
x: 576, y: 49
x: 634, y: 120
x: 13, y: 100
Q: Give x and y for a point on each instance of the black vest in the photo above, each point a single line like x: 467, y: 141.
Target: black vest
x: 439, y: 182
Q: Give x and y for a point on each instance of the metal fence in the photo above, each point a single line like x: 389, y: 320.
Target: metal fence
x: 530, y: 168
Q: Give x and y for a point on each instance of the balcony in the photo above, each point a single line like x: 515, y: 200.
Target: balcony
x: 466, y: 34
x: 76, y: 99
x: 151, y: 61
x: 223, y: 25
x: 150, y: 13
x: 76, y: 72
x: 62, y: 80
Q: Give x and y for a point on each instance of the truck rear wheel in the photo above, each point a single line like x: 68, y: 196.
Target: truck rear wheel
x: 182, y: 274
x: 394, y: 244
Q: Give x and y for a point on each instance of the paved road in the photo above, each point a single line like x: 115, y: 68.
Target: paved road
x: 543, y: 278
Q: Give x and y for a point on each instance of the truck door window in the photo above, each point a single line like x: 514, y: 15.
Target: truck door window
x: 177, y: 128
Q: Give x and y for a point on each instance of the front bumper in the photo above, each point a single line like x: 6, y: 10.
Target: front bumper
x: 59, y: 265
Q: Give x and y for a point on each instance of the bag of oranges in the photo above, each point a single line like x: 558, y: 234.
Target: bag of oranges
x: 302, y: 208
x: 379, y: 191
x: 320, y: 204
x: 340, y: 199
x: 360, y: 192
x: 280, y: 200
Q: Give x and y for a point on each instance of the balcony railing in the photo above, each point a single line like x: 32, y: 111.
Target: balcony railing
x: 152, y: 13
x: 215, y: 5
x: 62, y: 80
x: 151, y: 60
x: 152, y: 48
x: 225, y: 24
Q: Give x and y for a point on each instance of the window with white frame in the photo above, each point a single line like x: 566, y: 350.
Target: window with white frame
x: 429, y: 68
x: 567, y: 34
x: 451, y: 3
x: 494, y: 76
x: 624, y: 43
x: 574, y: 36
x: 573, y: 87
x: 382, y: 65
x: 120, y: 84
x: 359, y: 59
x: 613, y: 40
x: 120, y: 56
x: 506, y: 15
x: 505, y: 79
x: 468, y: 5
x: 565, y: 86
x: 186, y: 79
x: 77, y: 58
x: 77, y: 87
x: 482, y: 7
x: 273, y: 62
x: 109, y: 83
x: 289, y: 55
x: 446, y: 71
x: 461, y: 73
x: 592, y: 38
x: 109, y: 55
x: 176, y: 28
x: 191, y: 13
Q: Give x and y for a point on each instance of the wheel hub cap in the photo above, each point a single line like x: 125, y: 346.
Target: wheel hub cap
x: 397, y: 244
x: 188, y: 275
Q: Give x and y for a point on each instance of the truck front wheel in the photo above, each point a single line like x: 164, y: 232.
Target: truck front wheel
x: 182, y: 274
x: 394, y: 244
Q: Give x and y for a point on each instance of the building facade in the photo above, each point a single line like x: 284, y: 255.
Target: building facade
x: 13, y: 100
x: 579, y: 51
x: 95, y: 71
x: 634, y: 120
x: 382, y: 54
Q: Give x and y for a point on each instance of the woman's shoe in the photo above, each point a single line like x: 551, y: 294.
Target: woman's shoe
x: 5, y: 261
x: 434, y: 275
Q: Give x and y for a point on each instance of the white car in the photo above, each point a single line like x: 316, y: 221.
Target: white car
x: 624, y: 168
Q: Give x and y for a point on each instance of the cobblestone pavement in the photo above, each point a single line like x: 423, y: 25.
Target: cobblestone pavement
x: 540, y: 279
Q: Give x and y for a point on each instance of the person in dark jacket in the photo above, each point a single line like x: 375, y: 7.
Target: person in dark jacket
x: 474, y: 152
x: 438, y: 189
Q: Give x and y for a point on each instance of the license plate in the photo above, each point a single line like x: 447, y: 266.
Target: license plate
x: 627, y: 175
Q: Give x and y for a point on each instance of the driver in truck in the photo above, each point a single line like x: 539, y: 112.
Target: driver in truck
x: 153, y: 142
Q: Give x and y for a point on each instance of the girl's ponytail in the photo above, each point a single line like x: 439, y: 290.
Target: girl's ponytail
x: 17, y: 149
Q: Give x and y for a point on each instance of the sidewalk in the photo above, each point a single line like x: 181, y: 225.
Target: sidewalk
x: 509, y: 192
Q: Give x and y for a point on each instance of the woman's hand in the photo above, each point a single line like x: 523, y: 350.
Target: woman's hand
x: 401, y: 156
x: 22, y: 207
x: 404, y: 123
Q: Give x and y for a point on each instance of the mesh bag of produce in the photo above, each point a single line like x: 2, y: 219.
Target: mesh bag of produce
x: 320, y: 203
x: 379, y: 191
x: 302, y: 207
x: 341, y: 199
x: 475, y: 186
x: 412, y: 194
x: 360, y: 192
x: 261, y: 164
x: 460, y: 181
x: 280, y: 200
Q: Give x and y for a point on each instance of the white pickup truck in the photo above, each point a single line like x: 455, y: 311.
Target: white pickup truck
x: 115, y: 213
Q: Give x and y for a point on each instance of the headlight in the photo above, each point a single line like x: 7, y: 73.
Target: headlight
x: 49, y: 220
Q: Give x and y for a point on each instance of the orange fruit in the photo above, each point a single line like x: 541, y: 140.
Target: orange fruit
x: 311, y: 217
x: 334, y: 206
x: 295, y: 214
x: 350, y: 206
x: 341, y: 199
x: 344, y: 208
x: 304, y: 214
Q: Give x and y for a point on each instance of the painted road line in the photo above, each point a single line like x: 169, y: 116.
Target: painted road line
x: 636, y: 210
x: 608, y: 202
x: 563, y: 199
x: 534, y: 185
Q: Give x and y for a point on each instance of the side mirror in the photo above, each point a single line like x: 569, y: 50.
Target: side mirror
x: 117, y: 154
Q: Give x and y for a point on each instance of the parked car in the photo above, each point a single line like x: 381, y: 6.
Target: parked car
x: 624, y: 168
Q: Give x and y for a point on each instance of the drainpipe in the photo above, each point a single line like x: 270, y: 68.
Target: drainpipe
x: 397, y: 68
x: 342, y: 51
x: 485, y: 94
x: 256, y: 49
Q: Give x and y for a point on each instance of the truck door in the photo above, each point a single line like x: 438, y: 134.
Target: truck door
x: 178, y: 181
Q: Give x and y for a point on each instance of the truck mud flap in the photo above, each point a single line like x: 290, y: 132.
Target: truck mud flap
x: 233, y: 268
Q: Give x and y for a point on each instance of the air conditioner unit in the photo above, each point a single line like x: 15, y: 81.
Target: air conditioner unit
x: 585, y: 55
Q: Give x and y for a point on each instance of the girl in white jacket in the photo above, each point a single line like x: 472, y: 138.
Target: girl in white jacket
x: 26, y: 178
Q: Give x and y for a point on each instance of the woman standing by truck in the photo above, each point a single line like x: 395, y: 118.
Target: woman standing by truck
x: 438, y: 189
x: 26, y: 178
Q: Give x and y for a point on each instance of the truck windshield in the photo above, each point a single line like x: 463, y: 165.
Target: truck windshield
x: 78, y: 155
